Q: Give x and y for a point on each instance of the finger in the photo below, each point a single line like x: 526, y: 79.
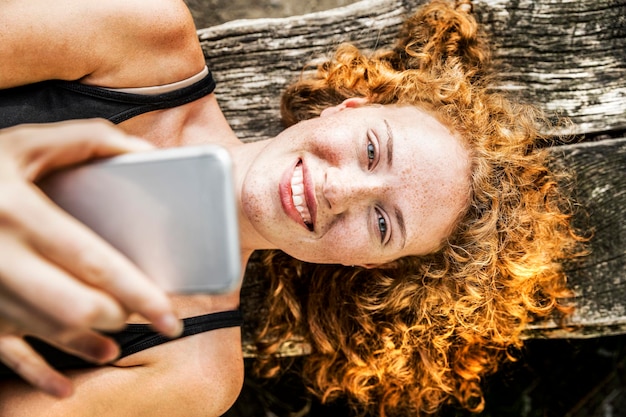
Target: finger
x: 43, y: 147
x: 28, y: 364
x: 84, y: 343
x: 36, y: 285
x: 18, y: 316
x: 77, y: 249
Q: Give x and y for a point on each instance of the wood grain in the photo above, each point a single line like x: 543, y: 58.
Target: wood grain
x: 567, y: 57
x: 599, y: 279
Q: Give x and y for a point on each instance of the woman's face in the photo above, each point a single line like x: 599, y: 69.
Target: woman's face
x: 360, y: 185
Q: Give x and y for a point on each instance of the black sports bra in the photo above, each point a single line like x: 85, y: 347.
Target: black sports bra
x: 134, y: 338
x: 54, y: 101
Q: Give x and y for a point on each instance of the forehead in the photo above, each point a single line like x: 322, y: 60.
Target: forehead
x: 420, y: 141
x: 419, y: 131
x: 432, y: 168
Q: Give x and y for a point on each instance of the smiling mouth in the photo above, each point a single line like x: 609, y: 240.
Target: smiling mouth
x: 298, y: 196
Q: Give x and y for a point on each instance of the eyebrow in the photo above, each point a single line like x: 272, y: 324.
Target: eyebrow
x: 389, y: 144
x: 401, y: 225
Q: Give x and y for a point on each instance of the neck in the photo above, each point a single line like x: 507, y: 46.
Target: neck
x: 200, y: 121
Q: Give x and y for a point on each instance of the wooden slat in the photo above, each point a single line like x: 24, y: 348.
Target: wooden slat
x: 567, y: 57
x: 599, y: 280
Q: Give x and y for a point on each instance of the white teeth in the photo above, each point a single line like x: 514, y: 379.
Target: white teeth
x: 297, y: 189
x: 298, y: 196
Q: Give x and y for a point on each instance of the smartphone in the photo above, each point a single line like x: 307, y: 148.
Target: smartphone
x: 170, y: 211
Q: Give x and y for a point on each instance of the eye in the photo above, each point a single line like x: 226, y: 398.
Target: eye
x: 372, y: 152
x: 381, y: 223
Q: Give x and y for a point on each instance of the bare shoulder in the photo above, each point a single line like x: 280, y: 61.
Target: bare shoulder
x: 214, y: 358
x: 151, y: 23
x: 108, y: 43
x: 205, y: 370
x: 200, y: 375
x: 153, y: 43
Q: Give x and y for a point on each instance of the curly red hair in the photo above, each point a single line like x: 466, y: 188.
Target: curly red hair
x: 425, y: 330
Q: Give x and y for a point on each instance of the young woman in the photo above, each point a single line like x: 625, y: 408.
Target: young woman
x: 421, y: 227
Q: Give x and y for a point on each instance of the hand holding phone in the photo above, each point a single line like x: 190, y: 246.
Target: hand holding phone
x: 58, y: 280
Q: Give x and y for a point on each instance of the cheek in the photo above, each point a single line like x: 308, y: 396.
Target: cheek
x: 252, y: 207
x: 329, y: 153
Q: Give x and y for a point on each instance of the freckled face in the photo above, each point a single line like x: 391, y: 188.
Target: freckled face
x: 358, y: 186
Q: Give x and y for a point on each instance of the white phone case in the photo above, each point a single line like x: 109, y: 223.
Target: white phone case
x: 170, y: 211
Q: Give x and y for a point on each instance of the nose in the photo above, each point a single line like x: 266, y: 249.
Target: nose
x: 343, y: 189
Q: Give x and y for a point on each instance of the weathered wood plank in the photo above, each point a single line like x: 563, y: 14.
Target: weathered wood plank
x: 253, y: 60
x: 599, y: 280
x: 568, y: 57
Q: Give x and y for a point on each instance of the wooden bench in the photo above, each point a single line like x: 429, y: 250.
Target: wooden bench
x: 567, y: 57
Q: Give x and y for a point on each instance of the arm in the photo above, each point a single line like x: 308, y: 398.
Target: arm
x: 117, y: 43
x: 199, y: 375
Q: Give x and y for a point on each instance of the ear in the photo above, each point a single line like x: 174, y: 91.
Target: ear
x: 351, y: 102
